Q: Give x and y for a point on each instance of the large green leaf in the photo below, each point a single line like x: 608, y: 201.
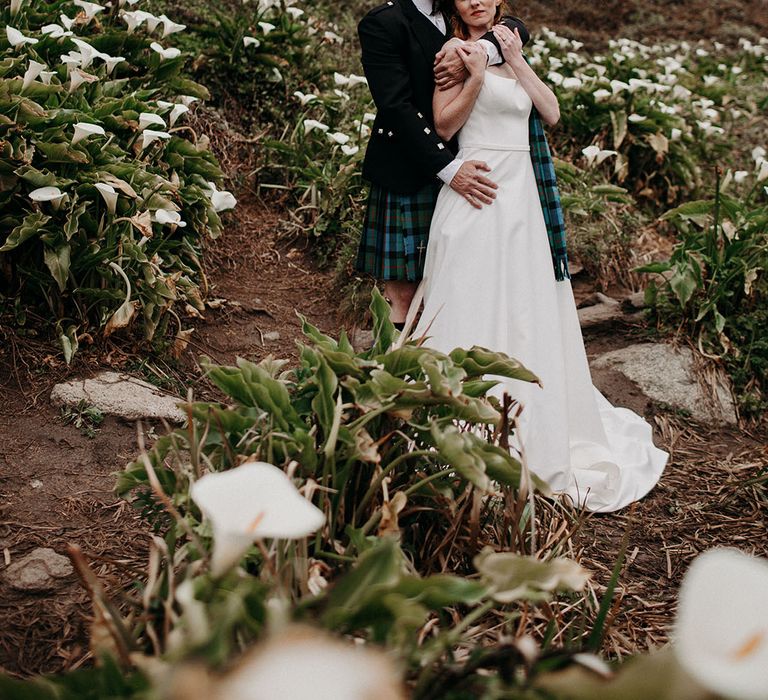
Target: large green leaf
x: 33, y: 225
x: 58, y: 261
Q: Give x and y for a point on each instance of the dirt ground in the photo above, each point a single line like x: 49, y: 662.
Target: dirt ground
x: 56, y: 482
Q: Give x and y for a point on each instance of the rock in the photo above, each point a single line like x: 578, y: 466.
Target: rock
x: 40, y: 570
x: 670, y: 376
x: 361, y: 339
x: 272, y: 336
x: 119, y: 395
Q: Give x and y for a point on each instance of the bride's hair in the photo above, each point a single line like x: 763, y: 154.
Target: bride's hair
x: 458, y: 25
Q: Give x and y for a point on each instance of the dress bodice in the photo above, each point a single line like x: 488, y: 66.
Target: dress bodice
x: 499, y: 116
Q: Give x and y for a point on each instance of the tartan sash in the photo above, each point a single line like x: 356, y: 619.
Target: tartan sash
x: 549, y: 195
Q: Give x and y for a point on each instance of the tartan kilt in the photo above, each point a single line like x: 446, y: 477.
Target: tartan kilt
x: 393, y: 244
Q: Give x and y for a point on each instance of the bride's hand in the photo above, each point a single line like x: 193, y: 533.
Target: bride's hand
x: 510, y: 43
x: 475, y: 59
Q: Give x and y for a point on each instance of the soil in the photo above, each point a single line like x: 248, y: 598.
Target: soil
x: 56, y: 480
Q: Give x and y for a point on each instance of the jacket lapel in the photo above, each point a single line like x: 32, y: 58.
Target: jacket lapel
x: 427, y: 34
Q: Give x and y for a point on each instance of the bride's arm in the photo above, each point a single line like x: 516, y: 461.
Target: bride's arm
x: 451, y: 107
x: 542, y: 96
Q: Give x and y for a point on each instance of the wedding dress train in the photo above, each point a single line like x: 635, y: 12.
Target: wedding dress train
x: 489, y: 281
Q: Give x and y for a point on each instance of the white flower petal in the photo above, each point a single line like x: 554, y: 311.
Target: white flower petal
x: 109, y: 194
x: 46, y: 194
x: 149, y: 136
x: 266, y: 27
x: 16, y: 38
x: 251, y: 41
x: 722, y: 624
x: 310, y: 124
x: 148, y: 118
x: 256, y: 500
x: 84, y: 130
x: 169, y: 53
x: 223, y: 200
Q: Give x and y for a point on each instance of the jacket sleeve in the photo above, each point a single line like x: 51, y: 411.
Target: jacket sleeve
x: 390, y: 83
x: 512, y: 23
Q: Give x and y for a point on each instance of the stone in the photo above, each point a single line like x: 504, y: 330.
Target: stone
x: 272, y: 336
x: 669, y: 375
x: 41, y: 570
x: 120, y: 395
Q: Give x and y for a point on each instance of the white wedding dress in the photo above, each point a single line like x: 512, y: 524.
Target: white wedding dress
x: 489, y: 281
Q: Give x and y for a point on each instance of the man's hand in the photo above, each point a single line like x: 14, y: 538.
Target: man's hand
x: 472, y: 185
x: 450, y: 69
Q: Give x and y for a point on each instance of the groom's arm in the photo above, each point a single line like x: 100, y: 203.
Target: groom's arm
x: 450, y: 69
x: 390, y: 84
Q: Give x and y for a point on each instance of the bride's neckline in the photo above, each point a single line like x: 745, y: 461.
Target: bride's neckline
x: 490, y: 72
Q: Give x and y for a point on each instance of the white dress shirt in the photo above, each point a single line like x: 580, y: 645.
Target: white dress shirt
x: 425, y: 7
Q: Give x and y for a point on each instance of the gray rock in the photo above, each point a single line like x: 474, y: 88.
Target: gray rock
x: 120, y: 395
x: 40, y: 570
x: 272, y: 336
x: 670, y: 376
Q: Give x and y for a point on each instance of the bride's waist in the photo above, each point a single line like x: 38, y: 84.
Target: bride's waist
x: 494, y: 146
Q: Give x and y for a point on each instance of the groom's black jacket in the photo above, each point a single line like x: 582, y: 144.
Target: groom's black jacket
x: 399, y: 45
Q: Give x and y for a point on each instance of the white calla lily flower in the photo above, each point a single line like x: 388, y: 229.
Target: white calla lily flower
x: 187, y: 100
x: 758, y: 154
x: 329, y: 667
x: 149, y: 136
x: 369, y: 117
x: 636, y: 118
x: 310, y: 124
x: 47, y: 194
x: 294, y: 12
x: 16, y: 6
x: 16, y: 38
x: 46, y: 76
x: 266, y: 27
x: 109, y: 194
x: 333, y: 38
x: 111, y: 61
x: 223, y: 200
x: 338, y: 137
x: 349, y: 150
x: 78, y: 77
x: 55, y: 31
x: 675, y: 134
x: 595, y: 155
x: 87, y: 51
x: 251, y: 41
x: 169, y: 53
x: 762, y: 173
x: 66, y: 22
x: 739, y: 176
x: 147, y: 118
x: 254, y: 501
x: 167, y: 217
x: 91, y: 9
x: 32, y: 73
x: 84, y: 130
x: 305, y: 99
x: 134, y: 19
x: 176, y: 112
x: 722, y: 624
x: 601, y: 95
x: 571, y: 83
x: 618, y: 86
x: 170, y: 27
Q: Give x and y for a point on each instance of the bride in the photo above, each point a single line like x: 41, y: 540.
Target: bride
x: 489, y: 279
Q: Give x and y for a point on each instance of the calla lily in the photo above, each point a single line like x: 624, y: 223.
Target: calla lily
x: 305, y: 99
x: 758, y: 154
x: 762, y: 173
x: 109, y: 194
x: 739, y: 176
x: 349, y: 150
x: 16, y: 38
x: 310, y: 124
x: 149, y: 136
x: 254, y: 501
x: 176, y: 112
x: 187, y: 100
x: 170, y: 27
x: 78, y: 77
x: 87, y: 52
x: 47, y: 194
x: 221, y: 200
x: 111, y: 61
x: 168, y: 216
x: 251, y: 41
x: 169, y: 53
x: 601, y: 94
x: 572, y: 83
x: 595, y: 155
x: 66, y: 21
x: 618, y: 85
x: 15, y: 7
x: 333, y: 38
x: 636, y: 118
x: 135, y: 19
x: 294, y: 12
x: 147, y: 118
x: 31, y: 74
x: 329, y: 669
x: 266, y: 27
x: 338, y: 137
x: 55, y: 31
x: 675, y: 134
x: 722, y: 624
x: 46, y: 76
x: 91, y: 9
x: 84, y: 130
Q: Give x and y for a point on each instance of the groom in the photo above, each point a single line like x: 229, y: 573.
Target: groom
x: 406, y: 161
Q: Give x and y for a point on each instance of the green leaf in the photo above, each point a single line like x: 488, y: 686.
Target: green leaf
x: 514, y: 577
x: 383, y: 330
x: 697, y: 211
x: 460, y: 451
x: 478, y: 362
x: 33, y: 225
x: 62, y: 153
x: 619, y: 122
x: 57, y: 261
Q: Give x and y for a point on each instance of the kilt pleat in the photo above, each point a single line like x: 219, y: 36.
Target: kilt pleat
x: 393, y: 244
